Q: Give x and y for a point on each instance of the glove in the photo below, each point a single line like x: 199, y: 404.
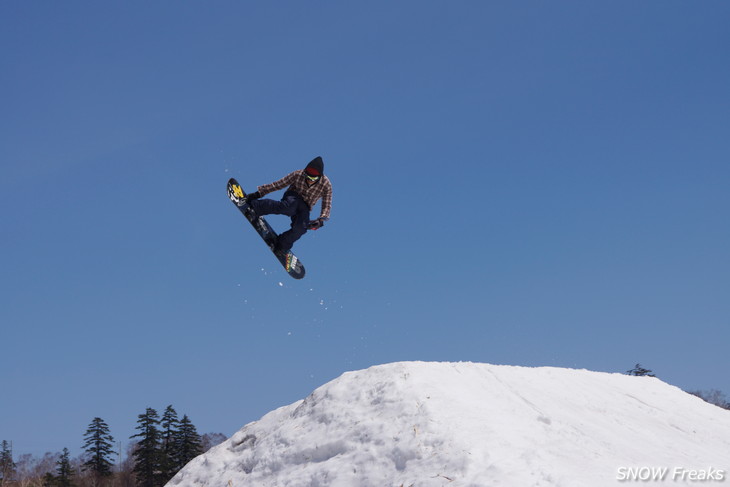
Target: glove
x: 316, y: 224
x: 253, y: 196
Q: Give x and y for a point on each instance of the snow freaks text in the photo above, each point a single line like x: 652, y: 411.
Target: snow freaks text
x: 676, y: 474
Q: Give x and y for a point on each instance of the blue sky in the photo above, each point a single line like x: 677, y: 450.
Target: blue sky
x: 526, y: 183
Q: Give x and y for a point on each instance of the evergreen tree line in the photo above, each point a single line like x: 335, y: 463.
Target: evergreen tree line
x: 165, y: 446
x: 160, y: 448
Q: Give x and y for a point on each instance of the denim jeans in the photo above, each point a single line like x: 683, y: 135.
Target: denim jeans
x: 291, y: 205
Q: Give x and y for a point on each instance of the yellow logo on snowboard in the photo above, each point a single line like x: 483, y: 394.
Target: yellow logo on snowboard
x: 238, y: 192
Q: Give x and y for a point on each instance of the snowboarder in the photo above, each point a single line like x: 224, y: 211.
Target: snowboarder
x: 306, y: 187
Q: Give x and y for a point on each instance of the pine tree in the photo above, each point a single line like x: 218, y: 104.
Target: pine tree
x: 64, y: 472
x: 640, y: 371
x: 49, y: 480
x: 189, y: 443
x: 168, y: 451
x: 99, y: 446
x: 147, y: 454
x: 7, y: 466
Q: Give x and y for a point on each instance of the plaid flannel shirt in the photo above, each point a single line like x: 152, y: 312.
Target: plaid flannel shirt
x: 297, y: 181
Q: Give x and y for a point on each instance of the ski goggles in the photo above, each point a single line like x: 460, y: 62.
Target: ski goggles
x: 312, y: 175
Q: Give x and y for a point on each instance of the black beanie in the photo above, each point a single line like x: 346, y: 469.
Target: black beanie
x: 317, y: 164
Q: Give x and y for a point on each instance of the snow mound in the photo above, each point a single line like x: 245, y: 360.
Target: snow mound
x: 476, y: 425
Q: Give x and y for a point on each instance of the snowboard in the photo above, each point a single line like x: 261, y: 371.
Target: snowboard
x: 289, y: 261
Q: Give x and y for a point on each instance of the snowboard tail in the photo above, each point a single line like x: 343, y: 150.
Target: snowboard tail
x: 288, y: 260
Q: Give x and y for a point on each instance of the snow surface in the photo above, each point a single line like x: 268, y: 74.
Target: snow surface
x: 477, y: 425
